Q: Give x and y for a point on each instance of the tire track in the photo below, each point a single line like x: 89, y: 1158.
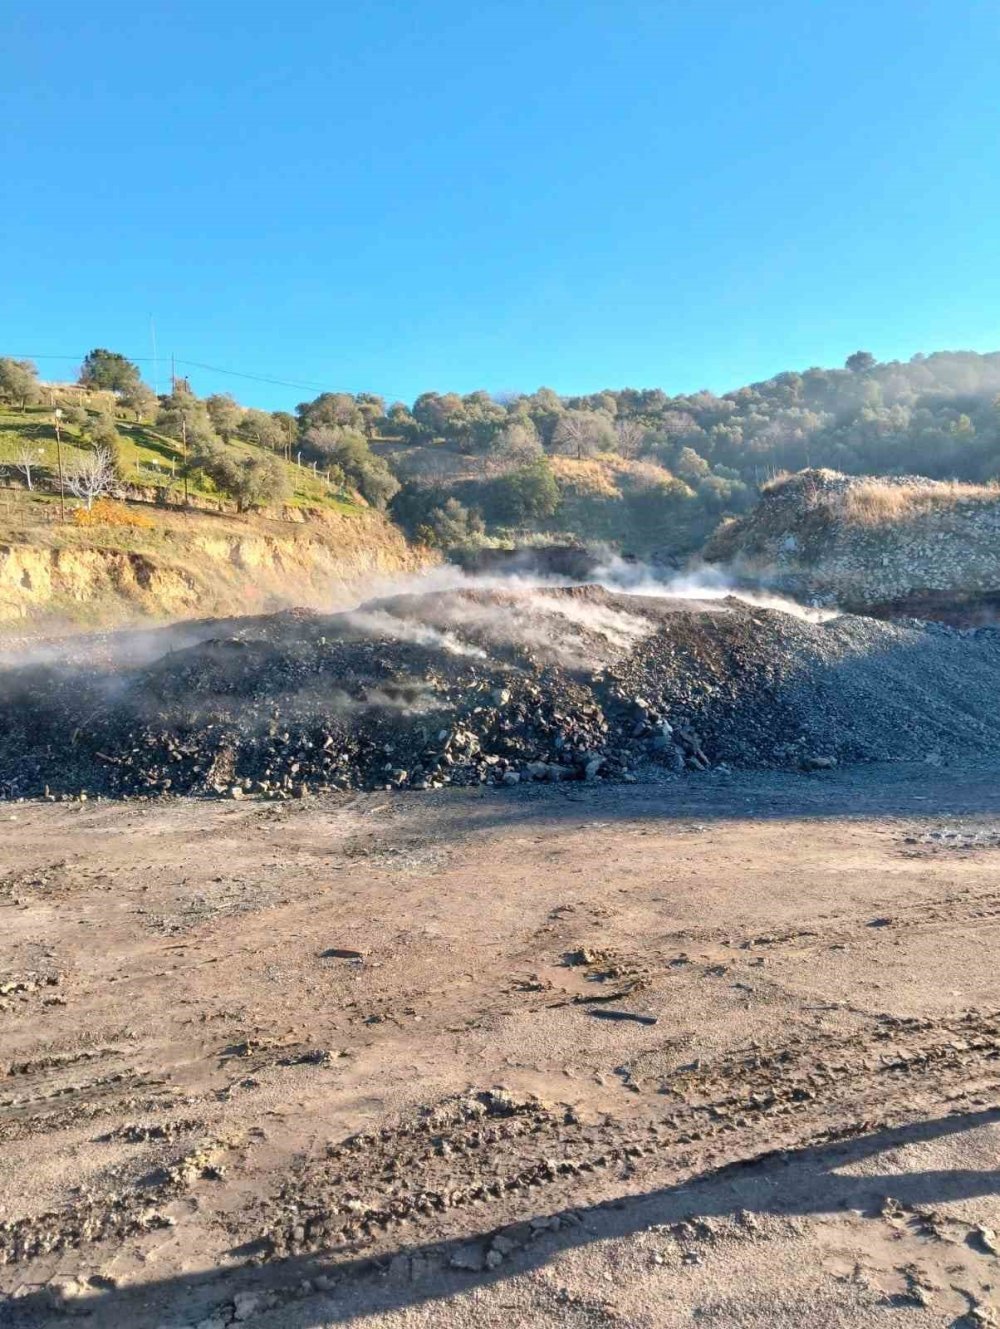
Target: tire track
x: 492, y: 1150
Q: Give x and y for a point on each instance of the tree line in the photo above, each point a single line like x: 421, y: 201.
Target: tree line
x: 935, y: 415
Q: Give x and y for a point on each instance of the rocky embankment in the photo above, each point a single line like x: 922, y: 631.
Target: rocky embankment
x: 191, y: 564
x: 899, y: 546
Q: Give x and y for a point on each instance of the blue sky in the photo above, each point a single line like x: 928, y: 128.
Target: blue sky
x: 396, y: 197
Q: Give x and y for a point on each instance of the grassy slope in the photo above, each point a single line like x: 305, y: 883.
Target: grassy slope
x: 148, y: 457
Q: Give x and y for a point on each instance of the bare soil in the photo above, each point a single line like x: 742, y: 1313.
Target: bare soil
x: 726, y: 1050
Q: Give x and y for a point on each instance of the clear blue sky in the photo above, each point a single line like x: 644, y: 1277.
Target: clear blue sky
x: 404, y: 196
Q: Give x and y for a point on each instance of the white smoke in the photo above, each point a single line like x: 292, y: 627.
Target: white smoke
x: 380, y: 623
x: 520, y: 610
x: 619, y: 629
x: 703, y: 584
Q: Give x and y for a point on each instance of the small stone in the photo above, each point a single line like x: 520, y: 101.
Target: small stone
x: 468, y: 1257
x: 236, y: 791
x: 511, y: 778
x: 818, y: 763
x: 247, y: 1304
x: 70, y: 1297
x: 987, y: 1239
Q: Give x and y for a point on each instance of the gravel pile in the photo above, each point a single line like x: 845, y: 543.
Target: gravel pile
x: 499, y: 685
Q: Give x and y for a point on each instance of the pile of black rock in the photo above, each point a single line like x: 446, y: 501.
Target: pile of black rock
x: 498, y: 685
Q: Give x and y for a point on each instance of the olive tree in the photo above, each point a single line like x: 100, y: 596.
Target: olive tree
x: 18, y: 381
x: 225, y: 413
x: 139, y: 399
x: 262, y: 428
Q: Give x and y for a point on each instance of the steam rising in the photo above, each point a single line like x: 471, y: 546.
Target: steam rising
x: 462, y: 614
x: 380, y: 623
x: 702, y: 584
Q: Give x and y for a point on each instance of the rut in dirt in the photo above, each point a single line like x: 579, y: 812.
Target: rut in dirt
x: 503, y: 1156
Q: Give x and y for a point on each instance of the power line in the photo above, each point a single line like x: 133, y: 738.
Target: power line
x: 214, y: 369
x: 192, y: 364
x: 257, y: 378
x: 197, y: 364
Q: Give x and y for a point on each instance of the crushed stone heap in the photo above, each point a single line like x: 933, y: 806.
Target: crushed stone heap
x: 885, y: 546
x: 498, y: 685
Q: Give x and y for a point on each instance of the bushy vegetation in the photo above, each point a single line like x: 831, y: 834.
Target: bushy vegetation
x: 633, y: 465
x: 118, y: 437
x: 706, y: 456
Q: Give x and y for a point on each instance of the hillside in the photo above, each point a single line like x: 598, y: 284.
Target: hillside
x: 631, y: 504
x: 186, y: 564
x: 897, y: 545
x: 639, y: 470
x: 151, y: 462
x: 165, y: 542
x: 681, y: 463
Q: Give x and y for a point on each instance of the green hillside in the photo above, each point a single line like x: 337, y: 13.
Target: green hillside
x: 640, y: 469
x: 150, y: 462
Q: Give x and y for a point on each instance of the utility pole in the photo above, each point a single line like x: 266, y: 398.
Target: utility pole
x: 184, y: 439
x: 57, y: 417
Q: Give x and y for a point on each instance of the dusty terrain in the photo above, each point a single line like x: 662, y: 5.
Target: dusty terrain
x: 724, y: 1049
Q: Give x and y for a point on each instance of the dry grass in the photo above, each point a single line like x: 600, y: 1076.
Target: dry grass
x: 870, y: 503
x: 608, y: 476
x: 815, y: 477
x: 777, y: 482
x: 106, y: 512
x: 589, y: 475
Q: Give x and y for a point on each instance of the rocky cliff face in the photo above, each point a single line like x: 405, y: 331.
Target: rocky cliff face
x: 193, y: 567
x: 903, y: 545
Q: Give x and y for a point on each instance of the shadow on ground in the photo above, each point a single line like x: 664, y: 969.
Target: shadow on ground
x: 879, y: 790
x: 800, y: 1182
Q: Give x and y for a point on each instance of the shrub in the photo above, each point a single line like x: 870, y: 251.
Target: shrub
x: 253, y: 481
x: 348, y: 449
x: 526, y: 494
x: 106, y: 512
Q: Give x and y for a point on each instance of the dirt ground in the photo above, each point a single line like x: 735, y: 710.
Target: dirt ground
x: 725, y: 1049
